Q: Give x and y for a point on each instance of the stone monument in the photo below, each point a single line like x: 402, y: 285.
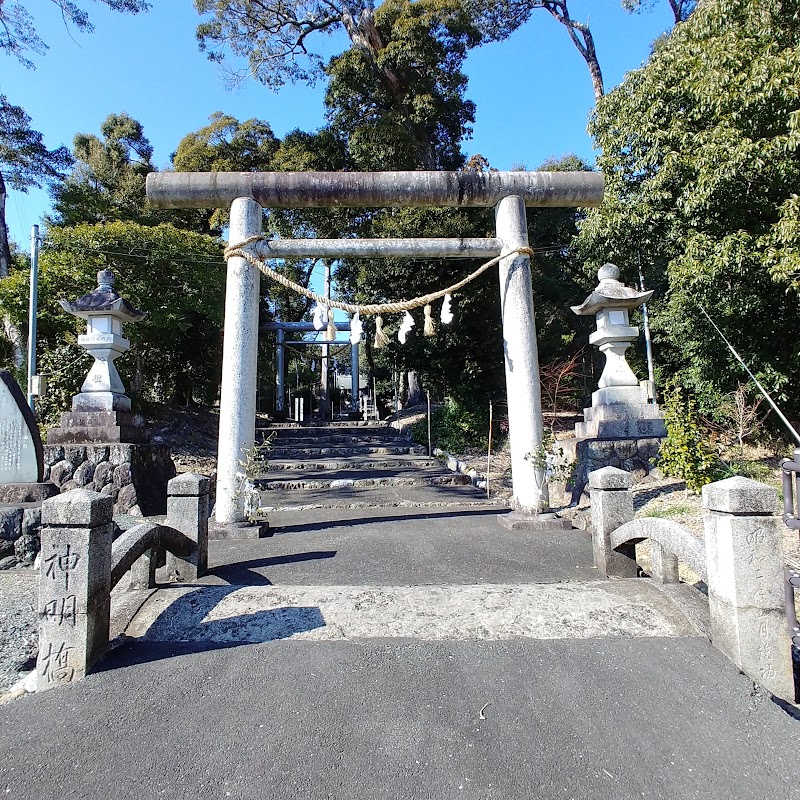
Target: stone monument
x: 623, y: 427
x: 100, y: 444
x: 620, y: 407
x: 21, y: 469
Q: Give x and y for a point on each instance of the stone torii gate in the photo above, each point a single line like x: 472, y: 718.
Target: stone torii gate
x: 248, y: 193
x: 281, y: 329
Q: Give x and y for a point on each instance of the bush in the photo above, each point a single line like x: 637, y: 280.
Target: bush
x: 455, y: 426
x: 684, y: 453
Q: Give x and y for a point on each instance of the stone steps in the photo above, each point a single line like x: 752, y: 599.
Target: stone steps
x: 399, y: 463
x: 338, y: 452
x: 338, y: 440
x: 452, y: 479
x: 341, y: 465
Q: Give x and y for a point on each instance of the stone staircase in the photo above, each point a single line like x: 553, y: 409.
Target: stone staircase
x: 354, y: 465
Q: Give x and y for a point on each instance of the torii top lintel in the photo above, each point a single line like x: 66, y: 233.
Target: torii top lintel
x: 373, y: 189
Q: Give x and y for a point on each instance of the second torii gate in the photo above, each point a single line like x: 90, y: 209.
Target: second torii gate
x: 248, y: 193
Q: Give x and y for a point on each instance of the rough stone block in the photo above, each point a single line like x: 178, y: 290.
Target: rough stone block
x: 26, y: 548
x: 97, y: 454
x: 75, y: 454
x: 103, y: 474
x: 84, y: 474
x: 188, y: 514
x: 188, y: 484
x: 610, y: 478
x: 125, y: 500
x: 70, y: 643
x: 61, y: 472
x: 80, y: 509
x: 664, y: 564
x: 120, y: 453
x: 757, y: 642
x: 10, y: 523
x: 122, y: 475
x: 31, y: 521
x: 739, y: 495
x: 74, y: 586
x: 7, y: 548
x: 745, y: 559
x: 611, y: 508
x: 143, y: 571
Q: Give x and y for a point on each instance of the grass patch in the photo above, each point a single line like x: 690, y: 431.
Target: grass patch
x: 671, y: 512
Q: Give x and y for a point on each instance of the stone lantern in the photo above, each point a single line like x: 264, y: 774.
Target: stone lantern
x: 102, y: 410
x: 104, y: 311
x: 620, y: 406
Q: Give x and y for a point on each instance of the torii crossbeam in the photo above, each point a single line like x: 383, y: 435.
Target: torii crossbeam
x: 247, y: 193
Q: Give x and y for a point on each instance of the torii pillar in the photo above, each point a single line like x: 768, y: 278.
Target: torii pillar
x: 247, y: 193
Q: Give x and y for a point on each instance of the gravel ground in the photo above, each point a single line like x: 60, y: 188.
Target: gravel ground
x: 18, y: 633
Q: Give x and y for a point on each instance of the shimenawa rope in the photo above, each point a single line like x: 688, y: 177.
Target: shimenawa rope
x: 376, y: 308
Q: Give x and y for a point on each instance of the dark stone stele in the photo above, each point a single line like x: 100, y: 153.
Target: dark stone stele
x: 33, y: 429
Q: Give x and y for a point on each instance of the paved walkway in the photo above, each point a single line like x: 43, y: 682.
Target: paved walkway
x: 404, y: 653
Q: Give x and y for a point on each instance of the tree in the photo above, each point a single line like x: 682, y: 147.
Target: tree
x: 177, y: 276
x: 18, y: 33
x: 404, y: 106
x: 700, y: 152
x: 498, y: 19
x: 108, y: 180
x: 25, y: 161
x: 276, y: 38
x: 225, y: 145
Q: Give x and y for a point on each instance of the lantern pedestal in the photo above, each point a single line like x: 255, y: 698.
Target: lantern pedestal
x: 99, y: 444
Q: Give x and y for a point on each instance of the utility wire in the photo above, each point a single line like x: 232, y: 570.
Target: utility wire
x: 755, y: 380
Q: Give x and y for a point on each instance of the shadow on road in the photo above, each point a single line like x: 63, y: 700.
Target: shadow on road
x: 244, y: 573
x: 354, y: 522
x: 183, y: 628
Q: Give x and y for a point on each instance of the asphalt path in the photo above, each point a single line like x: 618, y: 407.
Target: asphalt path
x: 359, y: 720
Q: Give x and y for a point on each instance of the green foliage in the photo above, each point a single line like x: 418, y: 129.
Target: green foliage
x: 403, y: 104
x: 700, y: 149
x: 25, y: 162
x: 684, y: 453
x: 455, y: 426
x: 65, y: 366
x: 225, y: 145
x: 19, y: 32
x: 108, y: 180
x: 176, y: 276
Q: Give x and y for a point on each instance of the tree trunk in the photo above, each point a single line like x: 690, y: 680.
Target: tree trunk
x: 10, y: 330
x: 5, y: 247
x: 416, y: 394
x: 582, y: 39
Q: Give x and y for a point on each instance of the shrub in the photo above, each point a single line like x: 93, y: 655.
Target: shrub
x: 455, y: 426
x: 684, y: 453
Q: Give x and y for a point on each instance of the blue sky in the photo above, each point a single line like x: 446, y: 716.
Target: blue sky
x: 533, y: 92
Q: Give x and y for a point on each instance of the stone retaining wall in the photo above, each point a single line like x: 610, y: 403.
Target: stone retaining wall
x: 134, y: 475
x: 635, y: 456
x: 19, y: 534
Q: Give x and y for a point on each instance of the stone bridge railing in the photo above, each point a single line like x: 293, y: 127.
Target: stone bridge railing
x: 81, y: 563
x: 741, y: 560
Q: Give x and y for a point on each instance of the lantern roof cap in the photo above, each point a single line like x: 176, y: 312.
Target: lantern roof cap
x: 611, y: 293
x: 104, y: 300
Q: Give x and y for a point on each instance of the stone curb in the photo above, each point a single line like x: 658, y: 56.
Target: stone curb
x: 456, y: 465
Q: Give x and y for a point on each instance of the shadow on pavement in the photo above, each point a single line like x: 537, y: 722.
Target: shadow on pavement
x: 182, y: 628
x: 244, y: 573
x: 347, y: 523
